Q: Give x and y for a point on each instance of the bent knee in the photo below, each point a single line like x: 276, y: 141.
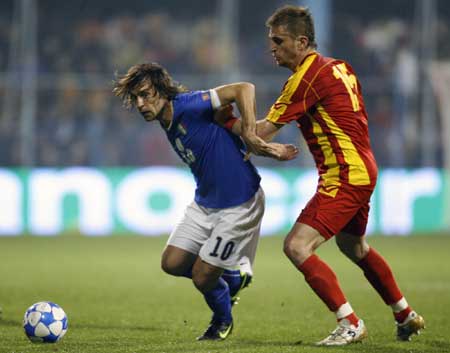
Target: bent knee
x: 172, y: 268
x: 167, y: 268
x: 288, y: 247
x: 205, y: 276
x: 296, y: 250
x: 177, y: 262
x: 301, y: 243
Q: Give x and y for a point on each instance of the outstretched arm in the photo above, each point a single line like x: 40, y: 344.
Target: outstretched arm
x: 267, y: 131
x: 255, y: 134
x: 264, y: 129
x: 243, y: 94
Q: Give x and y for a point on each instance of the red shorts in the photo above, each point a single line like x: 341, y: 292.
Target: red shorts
x: 348, y: 212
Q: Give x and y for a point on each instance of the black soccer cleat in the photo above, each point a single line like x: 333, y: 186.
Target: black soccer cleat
x: 217, y: 331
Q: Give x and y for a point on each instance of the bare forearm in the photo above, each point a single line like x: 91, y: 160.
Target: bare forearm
x: 260, y: 131
x: 247, y: 107
x: 243, y: 94
x: 252, y: 131
x: 237, y: 128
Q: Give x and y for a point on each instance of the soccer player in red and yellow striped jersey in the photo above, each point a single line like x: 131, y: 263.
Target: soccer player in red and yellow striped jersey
x: 323, y: 96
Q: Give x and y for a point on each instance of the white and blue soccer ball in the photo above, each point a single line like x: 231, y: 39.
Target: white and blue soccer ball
x: 45, y: 322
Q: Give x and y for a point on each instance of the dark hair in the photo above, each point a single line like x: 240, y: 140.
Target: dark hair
x: 142, y: 74
x: 297, y: 19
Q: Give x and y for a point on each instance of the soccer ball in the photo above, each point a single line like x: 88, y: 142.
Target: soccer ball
x: 45, y: 322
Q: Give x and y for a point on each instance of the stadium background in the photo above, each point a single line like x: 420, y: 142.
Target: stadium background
x: 75, y: 165
x: 57, y: 62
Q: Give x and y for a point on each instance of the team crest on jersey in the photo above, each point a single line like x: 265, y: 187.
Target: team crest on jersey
x: 205, y: 96
x: 182, y: 129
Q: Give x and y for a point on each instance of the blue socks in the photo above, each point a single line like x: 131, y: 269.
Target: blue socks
x: 218, y: 299
x: 234, y: 280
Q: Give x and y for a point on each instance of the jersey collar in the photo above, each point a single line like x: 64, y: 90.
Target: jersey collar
x: 304, y: 59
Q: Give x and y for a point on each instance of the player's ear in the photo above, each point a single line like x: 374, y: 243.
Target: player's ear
x: 302, y: 42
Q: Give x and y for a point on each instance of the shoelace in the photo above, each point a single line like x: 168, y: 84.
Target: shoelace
x: 340, y: 331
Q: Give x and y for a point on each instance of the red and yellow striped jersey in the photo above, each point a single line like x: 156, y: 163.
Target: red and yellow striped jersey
x: 324, y: 97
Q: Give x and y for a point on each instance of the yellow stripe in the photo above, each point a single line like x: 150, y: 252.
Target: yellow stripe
x: 331, y: 181
x: 341, y: 72
x: 291, y: 86
x: 357, y: 174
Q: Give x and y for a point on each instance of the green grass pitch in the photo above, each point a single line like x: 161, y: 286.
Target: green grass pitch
x: 118, y: 300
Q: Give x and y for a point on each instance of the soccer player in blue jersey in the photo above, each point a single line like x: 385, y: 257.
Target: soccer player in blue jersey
x: 220, y: 228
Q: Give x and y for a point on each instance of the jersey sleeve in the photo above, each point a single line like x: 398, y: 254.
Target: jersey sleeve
x: 200, y: 102
x: 194, y: 105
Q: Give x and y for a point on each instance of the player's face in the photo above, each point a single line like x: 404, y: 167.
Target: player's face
x: 285, y: 47
x: 149, y: 102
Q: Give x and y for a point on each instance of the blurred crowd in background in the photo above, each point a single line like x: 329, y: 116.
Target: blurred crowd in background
x: 80, y: 49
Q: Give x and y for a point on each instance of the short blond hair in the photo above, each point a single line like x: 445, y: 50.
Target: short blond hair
x: 298, y: 21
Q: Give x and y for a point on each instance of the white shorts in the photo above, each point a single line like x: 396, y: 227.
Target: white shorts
x: 221, y: 236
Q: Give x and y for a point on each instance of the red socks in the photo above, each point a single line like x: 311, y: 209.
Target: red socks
x: 323, y: 281
x: 380, y: 276
x: 402, y: 315
x: 353, y: 319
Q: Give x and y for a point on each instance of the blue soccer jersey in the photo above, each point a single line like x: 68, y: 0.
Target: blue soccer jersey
x: 214, y: 155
